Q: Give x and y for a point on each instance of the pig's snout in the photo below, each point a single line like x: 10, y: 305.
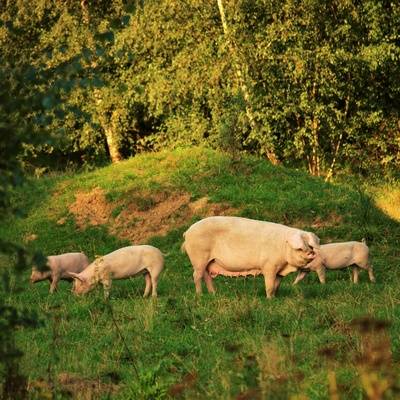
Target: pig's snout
x: 311, y: 254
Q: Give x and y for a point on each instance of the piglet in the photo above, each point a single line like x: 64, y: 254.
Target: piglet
x: 120, y: 264
x: 59, y: 267
x: 337, y: 256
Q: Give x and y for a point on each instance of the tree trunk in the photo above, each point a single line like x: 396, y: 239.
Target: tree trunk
x: 242, y: 82
x: 111, y: 132
x: 329, y: 175
x: 110, y: 128
x: 315, y: 157
x: 85, y: 12
x: 112, y: 144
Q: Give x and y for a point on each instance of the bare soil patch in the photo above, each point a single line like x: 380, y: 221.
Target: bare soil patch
x: 73, y: 386
x: 142, y: 215
x: 91, y: 208
x: 332, y: 220
x: 317, y: 222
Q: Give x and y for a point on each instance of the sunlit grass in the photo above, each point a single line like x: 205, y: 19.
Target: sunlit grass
x: 388, y: 200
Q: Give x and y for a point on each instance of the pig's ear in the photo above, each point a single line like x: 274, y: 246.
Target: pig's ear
x: 313, y: 240
x: 296, y: 241
x: 74, y: 275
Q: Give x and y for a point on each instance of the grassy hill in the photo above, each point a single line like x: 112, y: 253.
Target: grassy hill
x: 236, y: 344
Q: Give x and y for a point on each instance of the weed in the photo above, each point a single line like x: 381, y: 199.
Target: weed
x: 148, y: 386
x: 116, y: 211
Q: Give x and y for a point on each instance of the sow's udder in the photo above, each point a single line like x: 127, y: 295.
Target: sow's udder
x: 214, y: 270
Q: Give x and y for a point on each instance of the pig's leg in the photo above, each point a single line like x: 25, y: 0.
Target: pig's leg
x: 197, y: 276
x: 364, y: 264
x: 107, y: 288
x: 355, y: 274
x: 106, y: 281
x: 54, y: 281
x: 200, y: 263
x: 199, y: 266
x: 278, y: 279
x: 154, y: 282
x: 148, y: 284
x: 300, y: 276
x: 208, y: 280
x: 321, y: 274
x: 269, y: 279
x: 371, y: 273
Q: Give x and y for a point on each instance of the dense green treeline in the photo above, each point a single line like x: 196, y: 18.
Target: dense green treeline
x: 309, y: 83
x: 312, y: 83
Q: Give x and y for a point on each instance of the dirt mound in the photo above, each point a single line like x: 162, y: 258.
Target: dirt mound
x: 151, y: 215
x: 91, y: 208
x: 142, y: 215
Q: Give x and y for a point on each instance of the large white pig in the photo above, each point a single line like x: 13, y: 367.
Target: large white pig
x: 244, y: 245
x: 120, y: 264
x: 337, y: 256
x: 59, y: 267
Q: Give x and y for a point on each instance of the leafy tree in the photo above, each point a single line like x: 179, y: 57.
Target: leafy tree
x: 308, y: 83
x: 321, y: 74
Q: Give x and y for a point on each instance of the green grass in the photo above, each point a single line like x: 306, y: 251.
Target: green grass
x: 235, y: 344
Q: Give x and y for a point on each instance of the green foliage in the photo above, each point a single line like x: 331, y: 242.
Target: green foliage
x: 320, y: 75
x: 320, y: 91
x: 147, y: 387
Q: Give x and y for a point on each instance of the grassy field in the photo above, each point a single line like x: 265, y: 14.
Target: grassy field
x: 310, y: 342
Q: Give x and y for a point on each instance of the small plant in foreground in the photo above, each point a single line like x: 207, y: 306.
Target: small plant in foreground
x: 148, y: 387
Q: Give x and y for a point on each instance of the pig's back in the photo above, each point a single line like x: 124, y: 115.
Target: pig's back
x: 130, y: 260
x: 233, y: 227
x: 68, y: 262
x: 340, y: 255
